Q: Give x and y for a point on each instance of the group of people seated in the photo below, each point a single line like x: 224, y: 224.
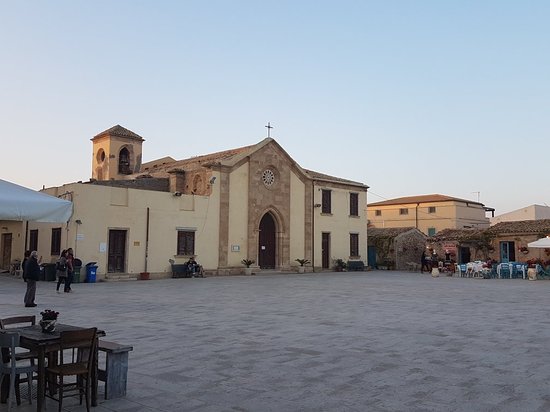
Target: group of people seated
x: 193, y: 268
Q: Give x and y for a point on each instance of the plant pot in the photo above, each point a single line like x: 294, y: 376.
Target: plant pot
x: 144, y: 276
x: 248, y: 271
x: 48, y: 326
x: 301, y: 269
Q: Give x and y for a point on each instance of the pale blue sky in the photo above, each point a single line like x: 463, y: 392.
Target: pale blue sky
x: 409, y: 97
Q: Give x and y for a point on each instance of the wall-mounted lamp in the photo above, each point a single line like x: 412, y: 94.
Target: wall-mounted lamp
x: 212, y: 180
x: 317, y: 205
x: 78, y: 221
x: 177, y: 193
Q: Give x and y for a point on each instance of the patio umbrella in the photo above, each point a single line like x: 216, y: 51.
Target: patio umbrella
x: 541, y: 243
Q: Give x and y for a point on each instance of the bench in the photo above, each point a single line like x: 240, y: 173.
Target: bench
x: 355, y: 265
x: 115, y: 373
x: 181, y: 270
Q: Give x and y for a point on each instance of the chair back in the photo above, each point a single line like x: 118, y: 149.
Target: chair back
x: 83, y: 340
x: 8, y: 342
x: 18, y: 320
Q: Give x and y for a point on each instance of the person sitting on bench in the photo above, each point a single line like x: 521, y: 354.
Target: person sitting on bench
x: 193, y: 268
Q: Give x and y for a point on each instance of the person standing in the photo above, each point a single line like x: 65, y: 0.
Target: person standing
x: 61, y: 270
x: 70, y: 270
x: 32, y: 274
x: 424, y: 262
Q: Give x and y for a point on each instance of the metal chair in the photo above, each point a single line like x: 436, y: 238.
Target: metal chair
x: 11, y: 367
x: 77, y: 349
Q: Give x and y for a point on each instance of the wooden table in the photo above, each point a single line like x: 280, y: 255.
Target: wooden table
x: 32, y: 337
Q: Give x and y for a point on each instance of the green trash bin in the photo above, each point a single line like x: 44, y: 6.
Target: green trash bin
x: 76, y: 274
x: 49, y: 271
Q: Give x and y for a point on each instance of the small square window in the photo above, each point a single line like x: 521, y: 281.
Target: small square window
x: 431, y: 231
x: 403, y: 211
x: 431, y: 209
x: 378, y: 213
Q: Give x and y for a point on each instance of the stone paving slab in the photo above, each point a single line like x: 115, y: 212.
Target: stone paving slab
x: 361, y: 341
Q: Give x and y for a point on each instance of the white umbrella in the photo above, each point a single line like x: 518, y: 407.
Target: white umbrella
x: 541, y: 243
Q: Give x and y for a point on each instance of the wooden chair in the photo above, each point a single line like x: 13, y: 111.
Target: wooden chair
x: 18, y: 321
x: 75, y: 359
x: 11, y: 367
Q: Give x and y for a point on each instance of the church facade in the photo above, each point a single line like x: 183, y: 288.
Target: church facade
x: 252, y: 202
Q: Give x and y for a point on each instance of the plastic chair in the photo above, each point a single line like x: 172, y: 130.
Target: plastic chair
x: 9, y: 367
x: 543, y: 274
x: 77, y: 349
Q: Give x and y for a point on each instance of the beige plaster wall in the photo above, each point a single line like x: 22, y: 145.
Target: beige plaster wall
x: 448, y: 215
x: 238, y: 217
x: 339, y: 224
x: 17, y: 231
x: 102, y: 208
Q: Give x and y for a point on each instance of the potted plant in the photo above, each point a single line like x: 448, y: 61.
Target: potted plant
x: 48, y: 321
x: 247, y: 263
x: 339, y: 265
x: 302, y: 262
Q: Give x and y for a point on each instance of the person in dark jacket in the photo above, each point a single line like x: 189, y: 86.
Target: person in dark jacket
x: 32, y: 274
x: 24, y: 263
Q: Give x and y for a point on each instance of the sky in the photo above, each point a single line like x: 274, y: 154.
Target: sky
x: 408, y: 97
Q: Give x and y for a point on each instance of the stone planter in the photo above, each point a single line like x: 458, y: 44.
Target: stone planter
x: 248, y: 271
x: 301, y: 269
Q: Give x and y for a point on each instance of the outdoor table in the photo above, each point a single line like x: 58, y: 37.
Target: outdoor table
x: 32, y: 337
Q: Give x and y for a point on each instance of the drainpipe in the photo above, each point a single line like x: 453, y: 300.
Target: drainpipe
x: 147, y: 240
x: 313, y: 225
x: 416, y: 216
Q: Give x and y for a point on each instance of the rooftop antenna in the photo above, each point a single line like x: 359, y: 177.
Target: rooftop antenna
x: 269, y: 127
x: 477, y: 196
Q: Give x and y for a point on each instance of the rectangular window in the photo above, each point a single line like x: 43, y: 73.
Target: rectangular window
x: 354, y: 244
x: 378, y: 213
x: 33, y: 240
x: 326, y: 206
x: 403, y: 211
x: 56, y: 241
x: 431, y: 231
x: 186, y: 243
x: 354, y: 204
x: 431, y: 209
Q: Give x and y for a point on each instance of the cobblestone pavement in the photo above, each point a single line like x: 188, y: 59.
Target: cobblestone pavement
x: 362, y: 341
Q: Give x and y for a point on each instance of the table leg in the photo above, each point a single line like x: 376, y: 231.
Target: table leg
x: 41, y: 395
x: 94, y: 374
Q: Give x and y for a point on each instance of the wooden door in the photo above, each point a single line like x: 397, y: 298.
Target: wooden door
x: 267, y: 243
x: 325, y: 252
x: 6, y: 251
x: 117, y: 251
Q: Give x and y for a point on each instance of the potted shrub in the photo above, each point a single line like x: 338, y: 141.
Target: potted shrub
x: 302, y: 262
x: 339, y: 265
x: 247, y: 263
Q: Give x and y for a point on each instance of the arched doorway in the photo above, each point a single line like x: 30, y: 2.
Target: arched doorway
x: 267, y: 243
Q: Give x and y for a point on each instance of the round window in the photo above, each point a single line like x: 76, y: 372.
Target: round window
x: 268, y: 177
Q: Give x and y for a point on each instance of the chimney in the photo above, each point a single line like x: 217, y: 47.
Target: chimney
x: 177, y: 181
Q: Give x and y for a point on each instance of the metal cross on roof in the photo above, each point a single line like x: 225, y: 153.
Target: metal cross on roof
x: 269, y: 127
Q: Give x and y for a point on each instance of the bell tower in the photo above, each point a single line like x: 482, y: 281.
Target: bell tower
x: 116, y: 154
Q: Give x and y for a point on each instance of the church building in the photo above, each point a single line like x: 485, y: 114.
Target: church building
x: 252, y: 202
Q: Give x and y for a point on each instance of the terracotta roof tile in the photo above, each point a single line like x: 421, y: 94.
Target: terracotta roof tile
x: 524, y: 226
x: 421, y: 199
x: 118, y: 130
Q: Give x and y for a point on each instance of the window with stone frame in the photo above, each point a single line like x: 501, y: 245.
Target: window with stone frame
x: 56, y: 242
x: 326, y: 201
x: 378, y: 212
x: 403, y: 211
x: 186, y: 243
x: 354, y: 244
x: 354, y: 204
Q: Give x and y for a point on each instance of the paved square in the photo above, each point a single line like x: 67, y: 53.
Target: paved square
x: 363, y: 341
